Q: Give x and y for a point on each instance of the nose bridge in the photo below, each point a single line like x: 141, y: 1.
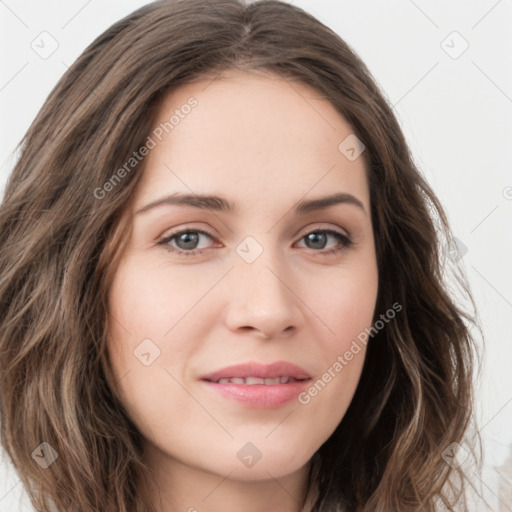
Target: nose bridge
x: 261, y: 289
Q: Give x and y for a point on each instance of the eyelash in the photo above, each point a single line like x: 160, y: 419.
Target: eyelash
x: 345, y: 242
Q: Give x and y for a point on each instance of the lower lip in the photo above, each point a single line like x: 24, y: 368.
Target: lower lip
x: 261, y: 396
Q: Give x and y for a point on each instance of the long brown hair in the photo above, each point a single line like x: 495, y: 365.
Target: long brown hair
x: 60, y: 241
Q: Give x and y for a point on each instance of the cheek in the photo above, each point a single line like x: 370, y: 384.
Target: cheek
x: 148, y: 298
x: 341, y: 354
x: 345, y: 304
x: 149, y: 306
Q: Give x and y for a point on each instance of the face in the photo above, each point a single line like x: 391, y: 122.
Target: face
x: 264, y: 275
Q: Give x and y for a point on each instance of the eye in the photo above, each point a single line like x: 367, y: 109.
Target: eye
x: 186, y: 240
x: 183, y: 243
x: 319, y: 238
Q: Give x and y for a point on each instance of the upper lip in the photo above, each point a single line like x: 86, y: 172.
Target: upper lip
x: 263, y: 371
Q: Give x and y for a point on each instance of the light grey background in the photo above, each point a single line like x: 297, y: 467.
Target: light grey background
x: 455, y: 108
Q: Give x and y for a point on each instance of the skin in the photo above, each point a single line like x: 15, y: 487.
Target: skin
x: 264, y: 143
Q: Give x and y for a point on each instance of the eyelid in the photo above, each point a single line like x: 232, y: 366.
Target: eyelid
x: 186, y: 229
x: 322, y: 227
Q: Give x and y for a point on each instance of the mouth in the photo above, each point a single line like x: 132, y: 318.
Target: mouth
x: 258, y: 386
x: 254, y: 381
x: 255, y: 373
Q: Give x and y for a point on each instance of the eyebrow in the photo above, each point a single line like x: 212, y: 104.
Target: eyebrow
x: 220, y: 204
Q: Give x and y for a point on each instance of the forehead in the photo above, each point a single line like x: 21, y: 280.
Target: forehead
x: 250, y: 135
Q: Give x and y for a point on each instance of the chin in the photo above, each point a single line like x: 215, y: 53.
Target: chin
x: 265, y: 460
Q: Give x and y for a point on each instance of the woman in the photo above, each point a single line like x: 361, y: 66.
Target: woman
x: 258, y: 370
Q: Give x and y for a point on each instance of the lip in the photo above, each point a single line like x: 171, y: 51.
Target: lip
x: 259, y: 396
x: 263, y: 371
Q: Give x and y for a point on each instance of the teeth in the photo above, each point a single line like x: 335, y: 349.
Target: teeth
x: 236, y: 380
x: 254, y: 380
x: 257, y: 380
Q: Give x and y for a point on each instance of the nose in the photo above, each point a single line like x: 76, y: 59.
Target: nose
x: 263, y: 298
